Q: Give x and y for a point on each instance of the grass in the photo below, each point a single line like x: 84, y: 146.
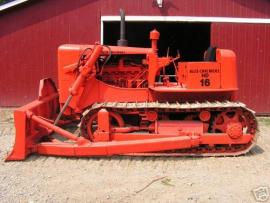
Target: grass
x: 264, y: 120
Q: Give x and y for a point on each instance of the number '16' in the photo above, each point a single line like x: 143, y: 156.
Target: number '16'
x: 205, y: 82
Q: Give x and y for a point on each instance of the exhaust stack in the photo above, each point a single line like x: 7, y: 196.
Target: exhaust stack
x: 122, y: 41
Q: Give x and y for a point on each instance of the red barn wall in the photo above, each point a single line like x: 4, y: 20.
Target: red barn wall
x: 251, y: 43
x: 31, y: 33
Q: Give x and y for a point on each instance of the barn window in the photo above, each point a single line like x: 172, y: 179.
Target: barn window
x: 190, y: 38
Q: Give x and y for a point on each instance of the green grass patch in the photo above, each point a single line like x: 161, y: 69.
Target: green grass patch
x: 264, y: 120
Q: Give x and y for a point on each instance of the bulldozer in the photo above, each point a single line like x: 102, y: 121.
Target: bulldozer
x: 124, y: 102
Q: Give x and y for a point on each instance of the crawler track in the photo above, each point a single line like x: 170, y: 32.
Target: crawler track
x: 214, y: 107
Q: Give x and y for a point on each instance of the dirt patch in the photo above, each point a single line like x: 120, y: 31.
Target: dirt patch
x: 133, y: 179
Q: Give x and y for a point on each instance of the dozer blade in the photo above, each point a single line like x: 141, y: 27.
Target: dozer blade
x: 28, y: 133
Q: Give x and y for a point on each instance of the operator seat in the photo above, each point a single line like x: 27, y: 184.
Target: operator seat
x: 210, y: 54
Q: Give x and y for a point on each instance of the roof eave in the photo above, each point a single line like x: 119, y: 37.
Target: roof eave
x: 11, y: 4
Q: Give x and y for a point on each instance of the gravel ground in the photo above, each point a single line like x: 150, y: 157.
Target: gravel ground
x: 132, y: 179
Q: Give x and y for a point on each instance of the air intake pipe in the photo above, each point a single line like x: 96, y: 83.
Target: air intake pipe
x: 122, y: 41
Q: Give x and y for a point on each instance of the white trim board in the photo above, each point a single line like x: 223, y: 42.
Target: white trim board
x: 187, y: 19
x: 180, y: 19
x: 11, y: 4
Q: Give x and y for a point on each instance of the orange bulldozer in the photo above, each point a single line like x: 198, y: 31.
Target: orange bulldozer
x: 124, y: 103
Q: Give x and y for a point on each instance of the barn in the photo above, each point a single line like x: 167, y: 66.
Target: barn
x: 31, y: 31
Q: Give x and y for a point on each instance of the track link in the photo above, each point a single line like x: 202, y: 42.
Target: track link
x: 224, y: 150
